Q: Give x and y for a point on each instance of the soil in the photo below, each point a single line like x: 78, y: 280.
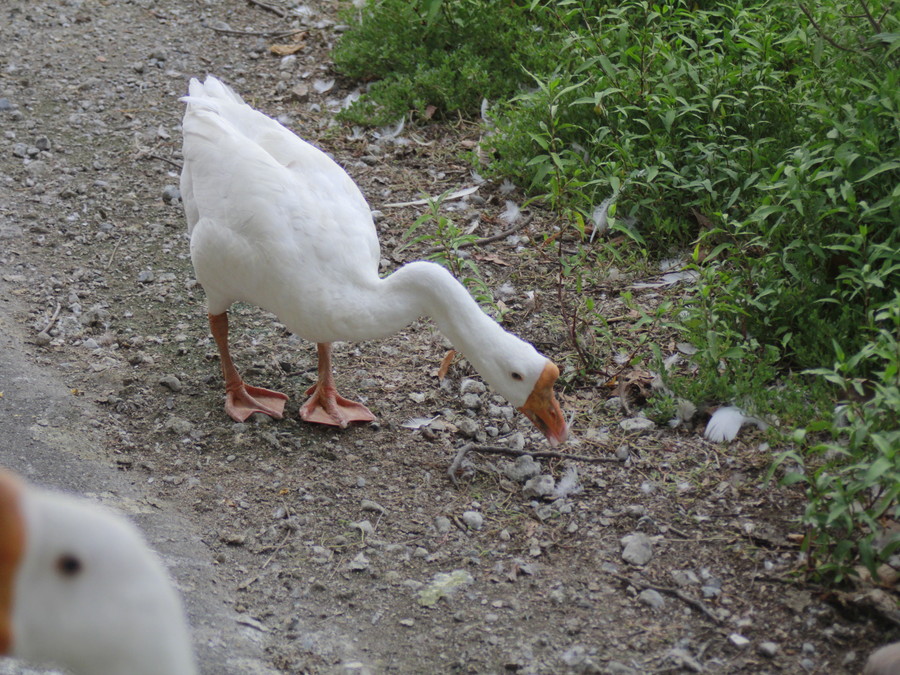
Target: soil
x: 324, y: 540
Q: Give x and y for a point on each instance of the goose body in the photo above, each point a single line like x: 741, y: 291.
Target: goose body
x: 275, y: 222
x: 79, y: 588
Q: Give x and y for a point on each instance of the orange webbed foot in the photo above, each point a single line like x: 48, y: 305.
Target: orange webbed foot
x: 326, y: 406
x: 245, y: 400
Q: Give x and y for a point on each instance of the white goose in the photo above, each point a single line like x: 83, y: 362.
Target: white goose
x: 80, y: 589
x: 275, y: 222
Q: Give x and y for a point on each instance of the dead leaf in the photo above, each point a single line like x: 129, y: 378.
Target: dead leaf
x: 429, y: 111
x: 492, y: 259
x: 287, y: 49
x: 445, y: 364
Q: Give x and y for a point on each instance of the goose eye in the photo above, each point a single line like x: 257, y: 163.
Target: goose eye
x: 68, y: 565
x: 516, y: 376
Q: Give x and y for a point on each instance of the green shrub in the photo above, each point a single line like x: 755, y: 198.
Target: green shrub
x: 450, y: 55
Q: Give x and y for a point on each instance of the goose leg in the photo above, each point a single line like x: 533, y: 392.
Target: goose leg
x: 242, y: 400
x: 325, y: 406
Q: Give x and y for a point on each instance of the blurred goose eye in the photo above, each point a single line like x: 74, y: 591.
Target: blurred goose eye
x: 68, y: 565
x: 516, y: 376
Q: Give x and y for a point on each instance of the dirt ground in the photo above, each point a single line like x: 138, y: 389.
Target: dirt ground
x: 329, y: 541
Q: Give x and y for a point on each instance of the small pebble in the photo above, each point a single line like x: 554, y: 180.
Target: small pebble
x: 473, y: 520
x: 637, y: 548
x: 539, y: 486
x: 767, y: 649
x: 171, y: 383
x: 738, y: 640
x: 171, y: 194
x: 652, y: 598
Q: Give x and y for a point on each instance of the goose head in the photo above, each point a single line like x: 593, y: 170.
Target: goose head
x: 80, y: 589
x: 517, y: 371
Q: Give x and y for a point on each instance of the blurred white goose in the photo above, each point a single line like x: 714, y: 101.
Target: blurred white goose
x: 80, y: 589
x: 276, y: 223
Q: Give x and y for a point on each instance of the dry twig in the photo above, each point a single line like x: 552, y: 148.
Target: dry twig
x: 668, y: 590
x: 497, y: 450
x: 272, y: 8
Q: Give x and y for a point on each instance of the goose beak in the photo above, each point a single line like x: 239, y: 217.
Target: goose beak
x: 543, y: 409
x: 12, y: 547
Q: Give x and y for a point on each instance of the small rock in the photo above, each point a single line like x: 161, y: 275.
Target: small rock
x: 171, y: 383
x: 171, y: 194
x: 634, y: 424
x: 42, y: 143
x: 177, y: 425
x: 43, y: 339
x: 637, y: 548
x: 539, y: 486
x: 6, y: 104
x: 470, y: 386
x: 369, y: 505
x: 232, y: 539
x: 473, y: 520
x: 471, y: 401
x: 522, y: 469
x: 652, y: 598
x: 300, y: 92
x: 767, y: 649
x: 90, y: 344
x: 685, y: 578
x: 146, y: 276
x: 365, y: 527
x: 467, y: 427
x: 738, y: 640
x: 442, y: 524
x: 359, y: 563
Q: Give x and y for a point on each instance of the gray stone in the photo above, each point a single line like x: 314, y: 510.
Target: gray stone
x: 738, y: 640
x: 442, y: 524
x: 473, y: 520
x: 467, y: 427
x: 652, y: 598
x: 369, y: 505
x: 634, y: 424
x: 171, y: 383
x: 539, y: 486
x: 685, y: 578
x: 42, y: 143
x: 178, y: 425
x: 522, y: 469
x: 767, y: 649
x: 637, y: 549
x: 471, y: 401
x: 359, y: 563
x: 470, y: 386
x: 171, y: 194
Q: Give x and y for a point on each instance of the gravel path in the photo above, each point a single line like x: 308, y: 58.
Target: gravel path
x: 311, y: 550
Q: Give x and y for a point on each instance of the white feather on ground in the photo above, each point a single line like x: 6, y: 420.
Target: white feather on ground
x: 568, y: 484
x: 726, y: 422
x: 511, y: 213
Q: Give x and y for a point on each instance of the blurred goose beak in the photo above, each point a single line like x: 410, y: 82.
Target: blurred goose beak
x: 543, y: 409
x: 12, y: 547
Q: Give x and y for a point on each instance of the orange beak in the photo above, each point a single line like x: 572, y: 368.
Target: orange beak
x: 543, y: 409
x: 12, y: 547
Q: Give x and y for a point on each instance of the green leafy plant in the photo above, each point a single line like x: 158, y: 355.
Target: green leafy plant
x: 852, y: 477
x: 447, y: 239
x: 435, y: 58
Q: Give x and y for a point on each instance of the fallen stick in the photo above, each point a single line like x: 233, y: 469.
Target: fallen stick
x: 486, y: 240
x: 678, y: 593
x: 509, y: 452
